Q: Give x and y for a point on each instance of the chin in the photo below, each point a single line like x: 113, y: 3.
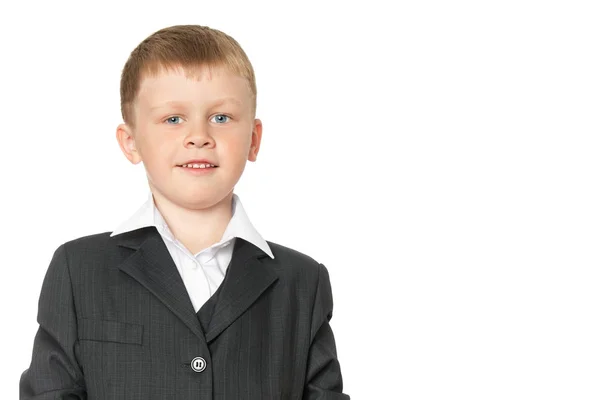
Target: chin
x: 201, y: 199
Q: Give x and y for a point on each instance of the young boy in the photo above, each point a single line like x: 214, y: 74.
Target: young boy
x: 185, y: 300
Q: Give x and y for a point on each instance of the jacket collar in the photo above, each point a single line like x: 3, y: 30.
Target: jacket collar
x: 239, y: 225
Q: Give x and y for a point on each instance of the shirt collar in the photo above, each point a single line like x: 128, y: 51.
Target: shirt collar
x: 239, y: 225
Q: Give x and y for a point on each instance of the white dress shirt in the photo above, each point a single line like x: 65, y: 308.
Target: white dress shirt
x: 203, y: 272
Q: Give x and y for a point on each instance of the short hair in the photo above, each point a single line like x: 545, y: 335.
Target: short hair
x: 186, y: 46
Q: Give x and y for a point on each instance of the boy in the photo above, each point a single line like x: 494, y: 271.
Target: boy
x: 185, y: 300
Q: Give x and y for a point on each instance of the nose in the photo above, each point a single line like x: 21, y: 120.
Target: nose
x: 199, y: 137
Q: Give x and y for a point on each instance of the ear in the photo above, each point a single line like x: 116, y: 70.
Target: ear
x: 256, y: 137
x: 126, y: 141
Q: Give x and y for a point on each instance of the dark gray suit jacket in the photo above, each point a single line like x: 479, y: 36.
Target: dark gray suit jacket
x: 116, y: 322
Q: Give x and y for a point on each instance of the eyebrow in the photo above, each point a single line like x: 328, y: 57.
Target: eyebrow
x: 217, y: 103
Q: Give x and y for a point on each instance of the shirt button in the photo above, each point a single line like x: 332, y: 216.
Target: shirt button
x: 198, y: 364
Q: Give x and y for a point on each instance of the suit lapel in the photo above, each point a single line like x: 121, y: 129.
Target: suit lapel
x: 247, y: 277
x: 152, y: 266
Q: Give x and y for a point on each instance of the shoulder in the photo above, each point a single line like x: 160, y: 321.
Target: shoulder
x: 288, y: 255
x: 89, y: 240
x: 93, y: 245
x: 72, y: 257
x: 296, y: 264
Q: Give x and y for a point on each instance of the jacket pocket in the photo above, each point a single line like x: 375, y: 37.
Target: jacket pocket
x: 109, y: 331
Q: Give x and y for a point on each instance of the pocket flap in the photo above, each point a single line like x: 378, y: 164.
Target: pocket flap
x: 109, y: 331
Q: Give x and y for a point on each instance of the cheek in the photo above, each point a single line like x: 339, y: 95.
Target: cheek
x: 157, y: 154
x: 238, y: 146
x: 239, y: 155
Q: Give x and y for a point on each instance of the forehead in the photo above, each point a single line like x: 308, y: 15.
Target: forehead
x: 197, y: 85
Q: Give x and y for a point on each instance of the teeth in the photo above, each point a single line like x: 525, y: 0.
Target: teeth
x: 197, y: 165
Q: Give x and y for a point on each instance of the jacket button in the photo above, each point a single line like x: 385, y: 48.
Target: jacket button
x: 198, y: 364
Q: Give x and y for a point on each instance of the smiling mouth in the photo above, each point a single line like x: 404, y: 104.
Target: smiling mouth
x: 188, y: 167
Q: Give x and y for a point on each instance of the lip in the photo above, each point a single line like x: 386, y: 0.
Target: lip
x: 198, y: 171
x: 198, y: 161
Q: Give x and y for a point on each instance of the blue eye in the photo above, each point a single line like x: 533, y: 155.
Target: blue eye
x: 221, y: 118
x: 171, y: 118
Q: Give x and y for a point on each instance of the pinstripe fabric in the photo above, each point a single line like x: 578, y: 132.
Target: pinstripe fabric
x: 116, y: 322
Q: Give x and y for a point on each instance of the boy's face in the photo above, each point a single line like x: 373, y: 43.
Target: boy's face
x: 179, y: 119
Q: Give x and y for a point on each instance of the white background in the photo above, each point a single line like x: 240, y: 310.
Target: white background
x: 440, y: 158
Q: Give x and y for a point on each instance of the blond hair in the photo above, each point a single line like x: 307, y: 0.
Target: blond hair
x: 187, y: 46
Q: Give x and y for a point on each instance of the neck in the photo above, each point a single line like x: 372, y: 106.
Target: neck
x: 196, y: 229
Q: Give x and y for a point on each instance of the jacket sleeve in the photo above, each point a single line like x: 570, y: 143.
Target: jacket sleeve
x: 54, y: 372
x: 323, y: 374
